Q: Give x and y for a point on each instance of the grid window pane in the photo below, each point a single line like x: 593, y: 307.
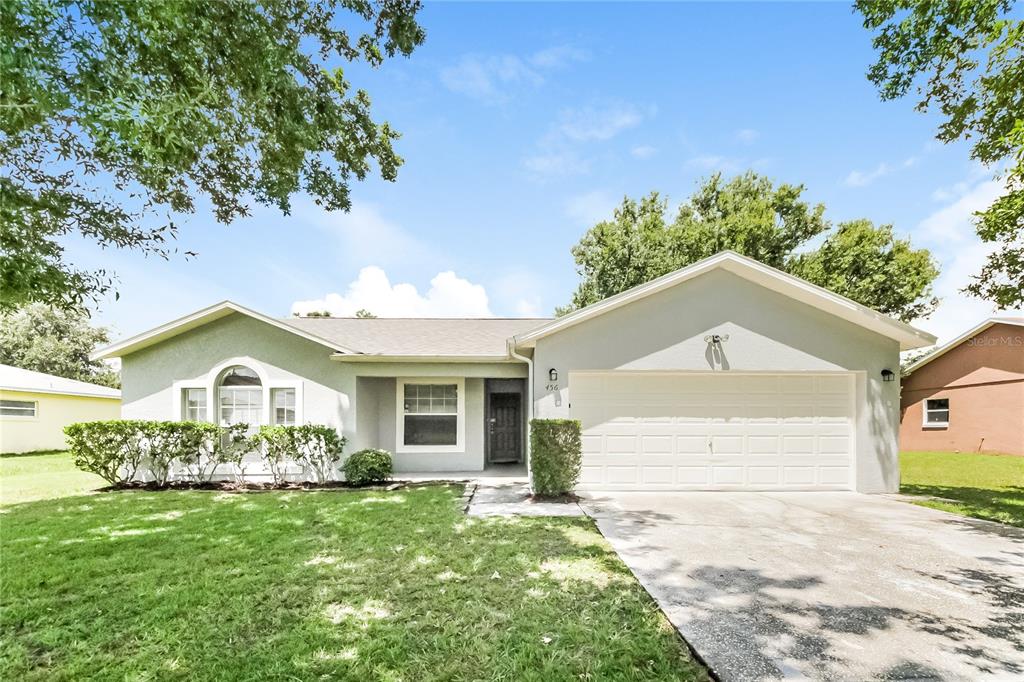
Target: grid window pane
x: 430, y: 429
x: 195, y: 404
x: 284, y: 406
x: 431, y: 399
x: 17, y: 408
x: 240, y: 405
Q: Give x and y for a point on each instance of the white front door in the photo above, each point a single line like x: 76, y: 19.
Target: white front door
x: 702, y: 431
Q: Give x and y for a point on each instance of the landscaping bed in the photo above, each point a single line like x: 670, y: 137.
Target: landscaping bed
x: 337, y: 584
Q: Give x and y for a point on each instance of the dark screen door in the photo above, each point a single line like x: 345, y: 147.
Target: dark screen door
x: 504, y: 427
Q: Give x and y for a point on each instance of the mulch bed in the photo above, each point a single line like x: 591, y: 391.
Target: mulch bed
x: 233, y: 487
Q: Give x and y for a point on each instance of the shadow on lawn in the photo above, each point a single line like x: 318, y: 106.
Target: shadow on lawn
x: 1005, y: 505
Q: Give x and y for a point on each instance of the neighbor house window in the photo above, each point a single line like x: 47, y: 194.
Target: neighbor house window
x: 241, y: 397
x: 17, y: 408
x: 283, y: 406
x: 936, y: 412
x: 431, y: 415
x: 194, y: 404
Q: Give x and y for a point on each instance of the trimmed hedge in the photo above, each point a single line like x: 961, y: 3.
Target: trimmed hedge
x: 119, y: 450
x: 555, y: 455
x: 368, y: 466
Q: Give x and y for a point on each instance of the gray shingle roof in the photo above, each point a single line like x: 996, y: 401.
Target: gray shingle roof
x: 417, y: 336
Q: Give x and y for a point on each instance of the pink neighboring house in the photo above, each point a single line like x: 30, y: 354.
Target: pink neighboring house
x: 968, y: 396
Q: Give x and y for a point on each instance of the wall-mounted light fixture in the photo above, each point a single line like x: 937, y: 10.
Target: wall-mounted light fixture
x: 553, y: 374
x: 716, y: 338
x: 888, y: 375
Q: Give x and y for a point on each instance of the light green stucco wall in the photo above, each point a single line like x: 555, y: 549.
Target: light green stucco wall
x: 356, y: 398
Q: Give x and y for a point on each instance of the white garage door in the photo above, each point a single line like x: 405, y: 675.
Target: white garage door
x: 644, y: 431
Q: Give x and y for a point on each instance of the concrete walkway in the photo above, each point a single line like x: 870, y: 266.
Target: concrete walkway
x: 513, y: 499
x: 826, y: 586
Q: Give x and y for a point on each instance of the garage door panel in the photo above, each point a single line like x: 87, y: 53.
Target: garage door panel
x: 763, y: 475
x: 727, y: 475
x: 681, y: 431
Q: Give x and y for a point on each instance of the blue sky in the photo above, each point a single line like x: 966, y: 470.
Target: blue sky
x: 525, y: 123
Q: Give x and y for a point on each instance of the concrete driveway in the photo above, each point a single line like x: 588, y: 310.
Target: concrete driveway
x: 836, y: 586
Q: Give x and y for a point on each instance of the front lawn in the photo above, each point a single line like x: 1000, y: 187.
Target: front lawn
x: 983, y: 486
x: 318, y: 585
x: 42, y: 476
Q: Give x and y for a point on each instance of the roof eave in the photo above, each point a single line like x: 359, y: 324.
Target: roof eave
x: 433, y: 359
x: 196, y: 320
x: 54, y: 391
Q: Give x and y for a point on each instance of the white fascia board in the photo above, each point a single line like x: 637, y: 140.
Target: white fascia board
x: 369, y: 357
x: 198, y: 319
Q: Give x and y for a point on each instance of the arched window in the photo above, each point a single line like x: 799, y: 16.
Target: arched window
x: 240, y: 397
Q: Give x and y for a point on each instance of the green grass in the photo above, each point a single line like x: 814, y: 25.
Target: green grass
x: 983, y: 486
x: 42, y: 476
x: 354, y: 585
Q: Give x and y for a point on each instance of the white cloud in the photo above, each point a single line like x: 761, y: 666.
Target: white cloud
x: 449, y: 296
x: 365, y: 235
x: 558, y: 56
x: 949, y: 234
x: 858, y: 178
x: 492, y: 78
x: 643, y: 151
x: 590, y: 208
x: 518, y: 292
x: 487, y: 78
x: 954, y: 222
x: 715, y: 162
x: 556, y: 163
x: 746, y: 135
x: 598, y: 123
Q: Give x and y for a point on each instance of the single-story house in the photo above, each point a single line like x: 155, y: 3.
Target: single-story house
x: 35, y: 407
x: 968, y: 395
x: 726, y: 374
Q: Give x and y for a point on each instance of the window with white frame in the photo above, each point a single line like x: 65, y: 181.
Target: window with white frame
x: 193, y: 404
x: 431, y: 415
x: 17, y: 408
x: 240, y: 395
x: 936, y: 412
x: 282, y: 406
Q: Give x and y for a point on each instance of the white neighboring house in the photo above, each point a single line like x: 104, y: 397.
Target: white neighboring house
x: 35, y: 407
x: 724, y: 375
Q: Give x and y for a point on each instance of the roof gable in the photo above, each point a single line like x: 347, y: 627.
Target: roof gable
x: 198, y: 319
x: 747, y: 268
x: 969, y: 334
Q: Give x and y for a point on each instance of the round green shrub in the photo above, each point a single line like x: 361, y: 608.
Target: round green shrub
x: 368, y: 466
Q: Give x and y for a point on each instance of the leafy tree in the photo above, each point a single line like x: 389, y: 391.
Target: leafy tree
x: 965, y: 59
x: 750, y: 215
x: 116, y: 114
x: 364, y: 314
x: 44, y: 339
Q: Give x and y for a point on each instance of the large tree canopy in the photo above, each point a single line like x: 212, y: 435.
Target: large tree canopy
x: 116, y: 114
x: 750, y: 215
x: 966, y: 59
x: 58, y: 342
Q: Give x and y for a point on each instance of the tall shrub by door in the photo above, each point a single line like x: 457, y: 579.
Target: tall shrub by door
x: 556, y: 457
